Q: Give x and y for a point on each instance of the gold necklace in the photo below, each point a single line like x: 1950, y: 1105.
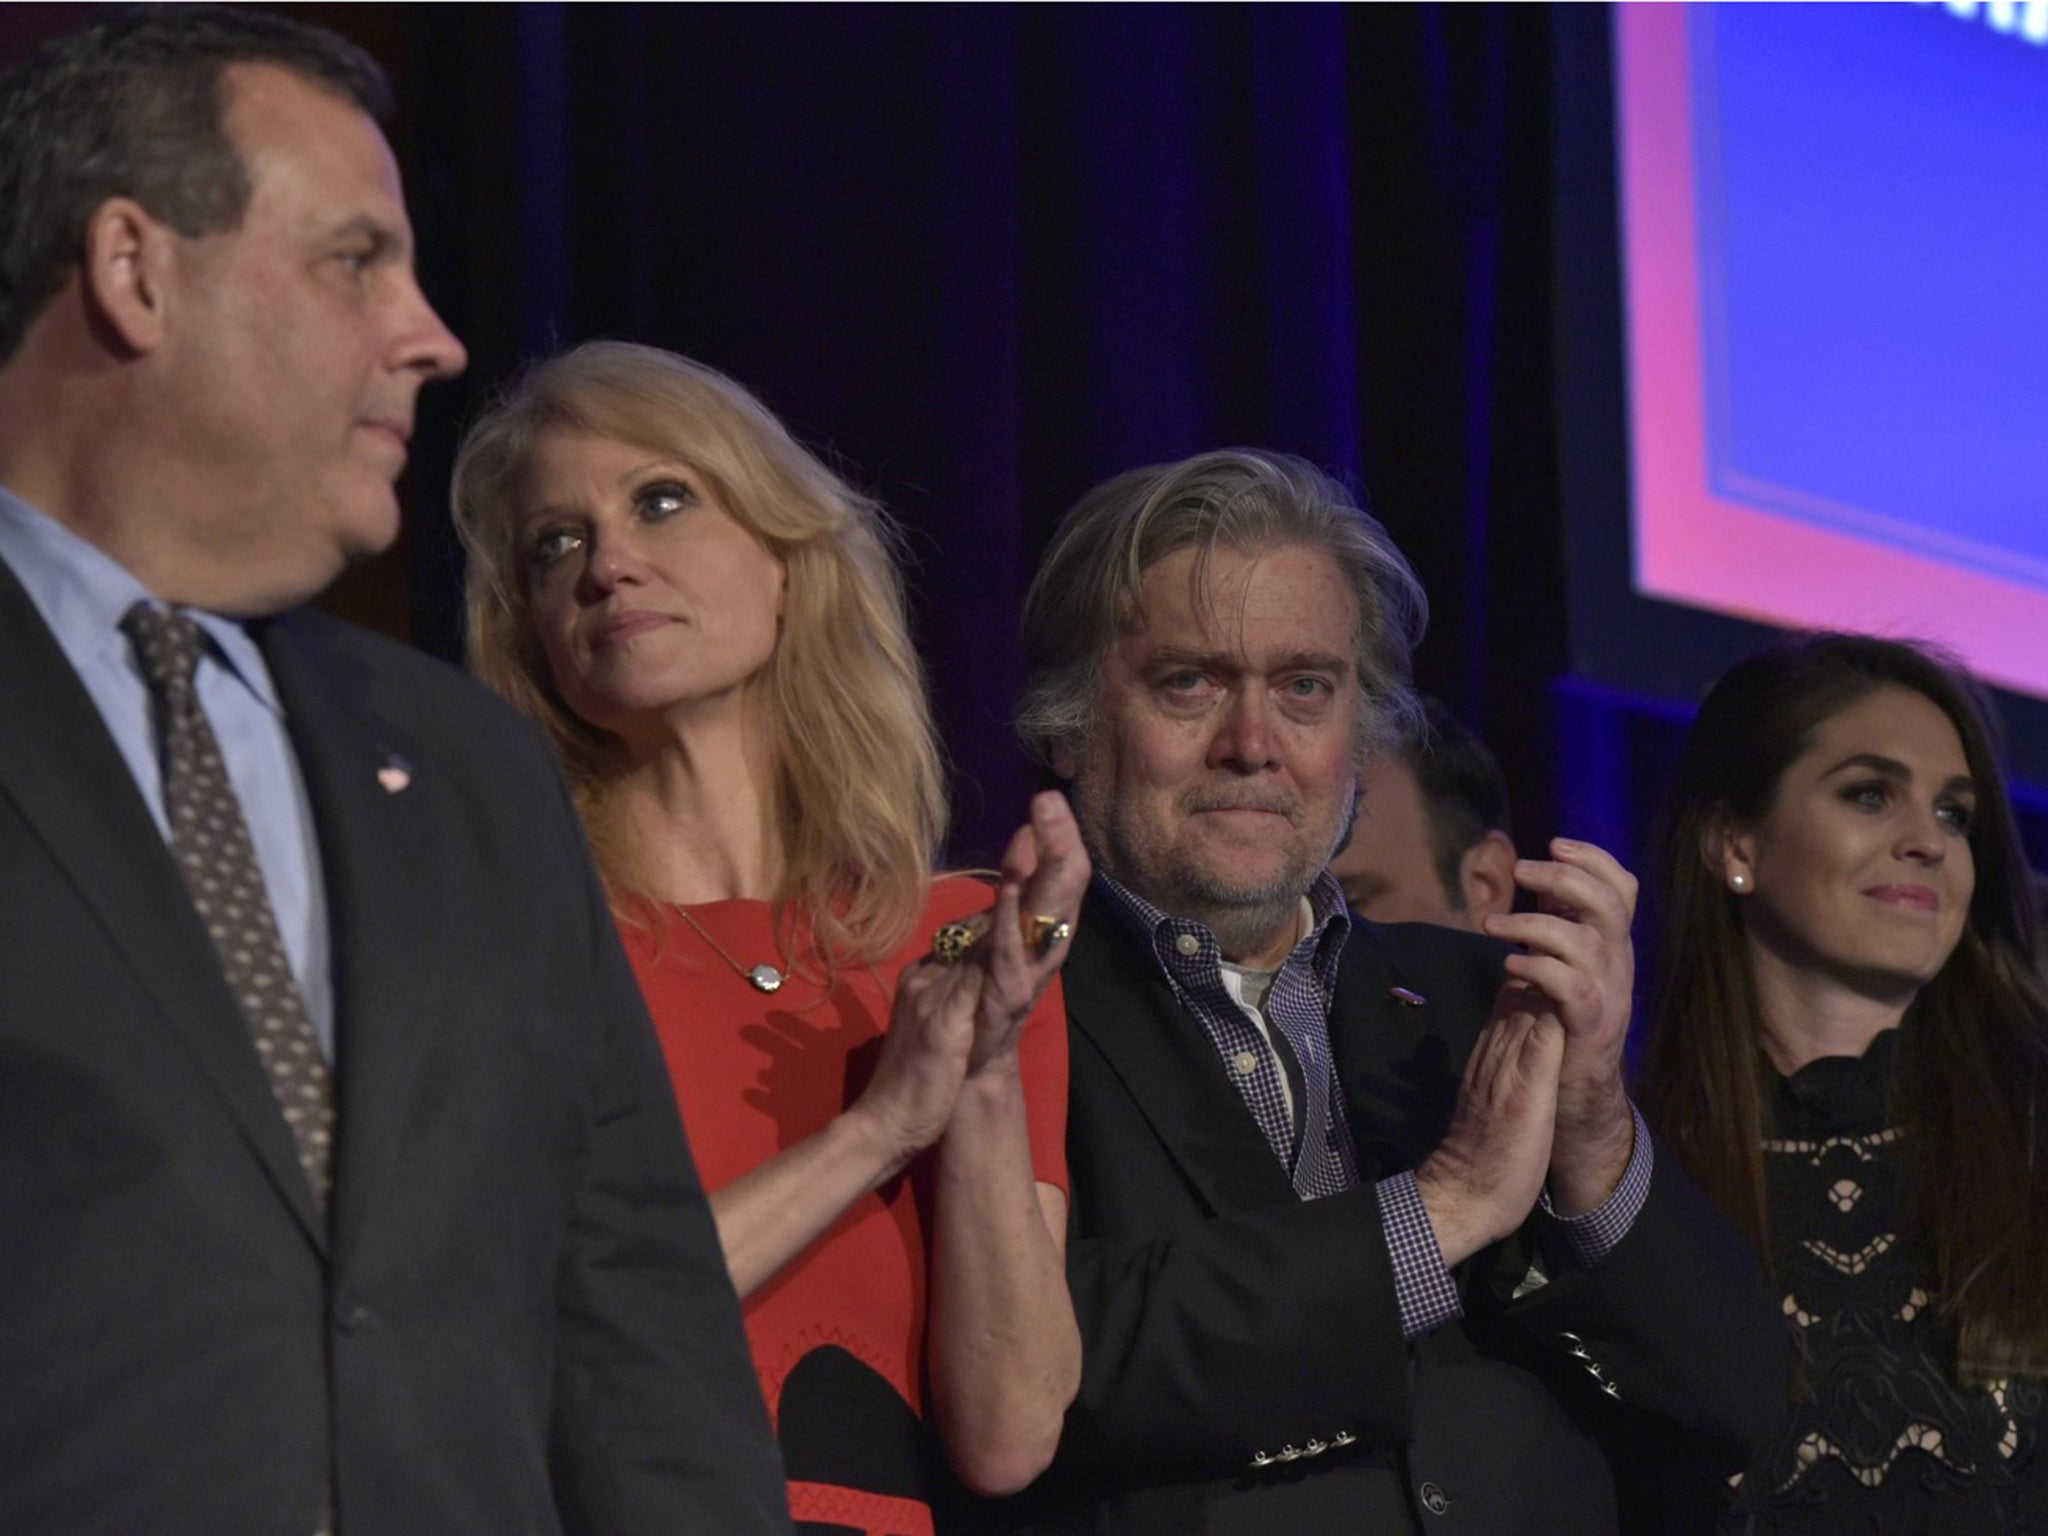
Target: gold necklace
x: 763, y: 977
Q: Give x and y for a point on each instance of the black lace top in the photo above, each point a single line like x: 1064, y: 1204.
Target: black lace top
x: 1887, y: 1442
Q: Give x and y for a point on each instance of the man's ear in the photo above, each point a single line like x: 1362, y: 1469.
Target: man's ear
x: 1486, y: 876
x: 126, y: 271
x: 1730, y: 853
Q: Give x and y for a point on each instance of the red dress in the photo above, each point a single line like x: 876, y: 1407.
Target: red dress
x: 838, y: 1336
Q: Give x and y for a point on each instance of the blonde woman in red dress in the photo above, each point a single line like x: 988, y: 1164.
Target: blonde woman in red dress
x: 709, y: 624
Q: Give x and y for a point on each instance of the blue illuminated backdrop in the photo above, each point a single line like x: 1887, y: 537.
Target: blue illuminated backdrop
x: 1873, y: 212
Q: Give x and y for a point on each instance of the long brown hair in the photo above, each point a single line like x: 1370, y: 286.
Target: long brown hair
x: 860, y: 788
x: 1971, y: 1069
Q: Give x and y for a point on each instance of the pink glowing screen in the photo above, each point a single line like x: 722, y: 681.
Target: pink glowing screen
x: 1869, y: 450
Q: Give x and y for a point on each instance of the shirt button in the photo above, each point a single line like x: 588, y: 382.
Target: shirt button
x: 1188, y: 944
x: 1246, y: 1063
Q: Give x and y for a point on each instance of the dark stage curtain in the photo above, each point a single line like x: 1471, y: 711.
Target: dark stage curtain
x: 987, y: 256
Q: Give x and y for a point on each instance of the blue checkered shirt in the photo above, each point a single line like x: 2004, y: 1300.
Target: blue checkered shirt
x: 1320, y: 1157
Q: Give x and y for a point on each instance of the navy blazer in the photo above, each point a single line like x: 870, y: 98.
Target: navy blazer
x: 519, y: 1320
x: 1244, y: 1365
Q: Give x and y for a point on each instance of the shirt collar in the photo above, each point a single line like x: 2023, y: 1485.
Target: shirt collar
x: 1322, y: 937
x: 82, y: 592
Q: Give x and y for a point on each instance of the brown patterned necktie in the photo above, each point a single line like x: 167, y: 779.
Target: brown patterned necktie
x: 218, y: 862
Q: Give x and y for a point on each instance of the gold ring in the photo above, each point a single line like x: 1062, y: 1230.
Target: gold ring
x: 1048, y: 931
x: 951, y: 943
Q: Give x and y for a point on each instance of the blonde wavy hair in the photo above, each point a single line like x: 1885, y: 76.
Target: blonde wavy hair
x: 859, y: 793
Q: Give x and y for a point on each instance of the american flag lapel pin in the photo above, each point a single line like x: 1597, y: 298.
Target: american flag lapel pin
x: 1403, y: 995
x: 395, y: 776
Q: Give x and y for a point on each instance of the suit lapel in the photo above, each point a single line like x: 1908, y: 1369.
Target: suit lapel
x: 1411, y: 1001
x: 1406, y: 1018
x: 1118, y: 998
x: 1394, y: 1057
x: 373, y: 808
x: 60, y: 769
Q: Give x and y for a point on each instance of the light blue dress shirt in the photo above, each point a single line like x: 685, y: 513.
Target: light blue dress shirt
x: 81, y: 593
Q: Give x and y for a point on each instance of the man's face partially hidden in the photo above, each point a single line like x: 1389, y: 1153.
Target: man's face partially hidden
x: 1389, y: 869
x: 1222, y: 765
x: 295, y: 346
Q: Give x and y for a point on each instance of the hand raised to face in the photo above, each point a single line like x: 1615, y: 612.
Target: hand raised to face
x: 1579, y: 963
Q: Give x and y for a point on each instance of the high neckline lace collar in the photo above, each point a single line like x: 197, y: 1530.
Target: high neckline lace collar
x: 1839, y: 1094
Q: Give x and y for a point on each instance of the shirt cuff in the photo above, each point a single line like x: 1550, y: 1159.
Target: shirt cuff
x: 1585, y: 1240
x: 1423, y: 1288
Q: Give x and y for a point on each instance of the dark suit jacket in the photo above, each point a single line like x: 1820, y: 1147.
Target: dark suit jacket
x: 1244, y: 1367
x: 520, y: 1322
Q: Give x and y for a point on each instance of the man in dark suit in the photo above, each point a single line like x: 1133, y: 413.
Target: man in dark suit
x: 1365, y: 1235
x: 340, y: 1182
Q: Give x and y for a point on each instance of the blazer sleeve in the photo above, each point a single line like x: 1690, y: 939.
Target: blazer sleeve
x: 1674, y: 1339
x: 659, y: 1426
x: 1677, y: 1329
x: 1236, y: 1336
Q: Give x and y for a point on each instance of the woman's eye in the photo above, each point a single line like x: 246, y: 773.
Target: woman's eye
x: 1957, y: 814
x: 664, y: 498
x: 1867, y: 796
x: 551, y: 545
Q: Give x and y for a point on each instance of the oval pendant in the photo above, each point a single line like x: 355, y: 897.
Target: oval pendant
x: 765, y: 978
